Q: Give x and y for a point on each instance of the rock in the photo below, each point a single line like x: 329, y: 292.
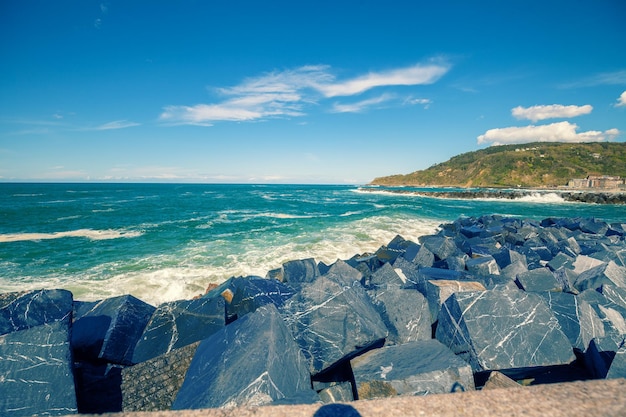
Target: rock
x: 438, y: 291
x: 253, y: 361
x: 246, y: 294
x: 484, y: 265
x: 539, y: 280
x: 427, y: 274
x: 414, y: 368
x: 332, y: 322
x: 386, y: 276
x: 618, y: 366
x: 613, y: 316
x: 343, y: 274
x: 23, y: 310
x: 440, y: 246
x: 605, y: 273
x: 408, y: 271
x: 36, y: 371
x: 578, y: 320
x: 424, y: 257
x: 600, y: 355
x: 583, y: 263
x: 567, y: 279
x: 506, y: 257
x: 109, y: 329
x: 338, y: 393
x: 498, y: 330
x: 180, y: 323
x: 300, y: 271
x: 498, y: 380
x: 616, y: 295
x: 250, y: 293
x: 153, y: 385
x: 405, y: 313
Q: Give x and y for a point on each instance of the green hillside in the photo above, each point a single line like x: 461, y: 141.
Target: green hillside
x: 529, y: 165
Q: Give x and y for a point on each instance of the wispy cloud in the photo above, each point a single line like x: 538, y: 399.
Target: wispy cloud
x: 621, y: 100
x: 362, y: 105
x: 419, y: 74
x: 536, y: 113
x: 604, y: 78
x: 117, y: 124
x: 287, y: 93
x: 555, y: 132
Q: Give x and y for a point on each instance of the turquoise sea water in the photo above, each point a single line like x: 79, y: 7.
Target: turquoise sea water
x: 162, y: 242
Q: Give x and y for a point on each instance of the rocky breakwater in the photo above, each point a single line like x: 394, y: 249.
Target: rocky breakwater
x: 489, y: 301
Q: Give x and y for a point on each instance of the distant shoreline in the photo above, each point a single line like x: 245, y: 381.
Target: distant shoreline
x: 593, y: 197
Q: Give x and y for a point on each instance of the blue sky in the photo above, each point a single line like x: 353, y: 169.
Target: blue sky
x: 297, y: 91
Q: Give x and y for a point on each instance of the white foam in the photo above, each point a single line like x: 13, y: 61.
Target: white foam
x: 542, y: 198
x: 85, y: 233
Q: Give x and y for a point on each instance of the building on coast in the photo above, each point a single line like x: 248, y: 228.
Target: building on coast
x: 604, y: 182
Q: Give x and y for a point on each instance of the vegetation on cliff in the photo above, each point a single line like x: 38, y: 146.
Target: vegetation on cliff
x: 529, y: 165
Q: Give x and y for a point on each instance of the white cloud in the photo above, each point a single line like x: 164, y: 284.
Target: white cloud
x: 117, y: 124
x: 286, y: 93
x: 361, y: 105
x: 555, y: 132
x: 415, y: 75
x: 536, y: 113
x: 621, y: 101
x: 426, y: 102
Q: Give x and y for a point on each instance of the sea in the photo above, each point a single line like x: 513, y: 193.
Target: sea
x: 165, y: 242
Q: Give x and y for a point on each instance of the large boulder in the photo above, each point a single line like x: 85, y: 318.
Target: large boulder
x: 405, y: 313
x: 36, y: 371
x: 500, y: 330
x: 414, y: 368
x: 23, y: 310
x: 253, y: 361
x: 577, y: 318
x: 332, y: 322
x: 604, y: 274
x: 109, y: 329
x: 243, y: 295
x: 180, y: 323
x: 438, y: 291
x: 539, y: 280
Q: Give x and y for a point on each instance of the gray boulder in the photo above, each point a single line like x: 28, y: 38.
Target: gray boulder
x: 438, y: 291
x: 539, y: 280
x: 109, y: 329
x: 245, y: 294
x: 332, y: 322
x: 253, y: 361
x: 36, y: 371
x: 618, y: 365
x: 23, y: 310
x: 405, y: 313
x: 606, y: 273
x: 600, y: 355
x: 180, y: 323
x: 414, y: 368
x: 578, y: 320
x: 497, y: 330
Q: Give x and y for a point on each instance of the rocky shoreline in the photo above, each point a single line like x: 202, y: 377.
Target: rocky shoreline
x: 594, y: 197
x: 486, y: 302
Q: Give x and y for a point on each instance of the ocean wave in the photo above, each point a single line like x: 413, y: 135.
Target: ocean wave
x: 84, y: 233
x: 542, y: 198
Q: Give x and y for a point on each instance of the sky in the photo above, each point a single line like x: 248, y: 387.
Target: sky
x: 300, y: 91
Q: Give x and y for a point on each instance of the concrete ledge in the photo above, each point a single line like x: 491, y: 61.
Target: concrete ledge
x: 588, y: 398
